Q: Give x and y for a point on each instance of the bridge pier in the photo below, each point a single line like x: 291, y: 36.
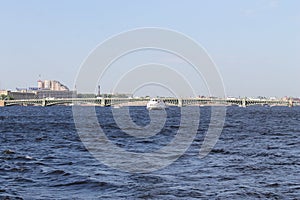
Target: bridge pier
x: 44, y: 103
x: 2, y: 103
x: 244, y: 104
x: 180, y: 103
x: 291, y: 103
x: 103, y: 102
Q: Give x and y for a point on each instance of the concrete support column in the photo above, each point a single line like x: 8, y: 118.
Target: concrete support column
x: 44, y: 103
x: 102, y: 102
x: 244, y: 103
x: 291, y: 103
x: 2, y: 103
x: 180, y: 104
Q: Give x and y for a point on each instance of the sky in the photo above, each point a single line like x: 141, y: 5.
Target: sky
x: 255, y: 44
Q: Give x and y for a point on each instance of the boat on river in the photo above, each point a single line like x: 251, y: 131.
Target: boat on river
x: 156, y: 104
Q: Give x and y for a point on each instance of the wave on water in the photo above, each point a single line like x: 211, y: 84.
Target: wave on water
x: 256, y: 157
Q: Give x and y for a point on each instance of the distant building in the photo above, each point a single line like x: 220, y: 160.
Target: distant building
x: 53, y: 89
x: 285, y: 98
x: 18, y: 94
x: 40, y: 94
x: 44, y: 89
x: 51, y: 85
x: 41, y: 84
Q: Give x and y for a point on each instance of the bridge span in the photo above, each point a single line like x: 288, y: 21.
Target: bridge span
x: 180, y: 102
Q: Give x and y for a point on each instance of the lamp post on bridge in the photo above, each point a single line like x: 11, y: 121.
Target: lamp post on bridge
x: 99, y: 92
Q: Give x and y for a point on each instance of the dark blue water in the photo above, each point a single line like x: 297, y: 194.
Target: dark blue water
x: 256, y: 157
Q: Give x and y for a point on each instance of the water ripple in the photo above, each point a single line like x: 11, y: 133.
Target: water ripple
x: 256, y: 157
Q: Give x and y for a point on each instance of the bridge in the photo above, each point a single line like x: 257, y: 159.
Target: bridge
x: 180, y: 102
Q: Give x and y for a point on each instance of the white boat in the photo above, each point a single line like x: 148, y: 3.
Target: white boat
x: 156, y: 104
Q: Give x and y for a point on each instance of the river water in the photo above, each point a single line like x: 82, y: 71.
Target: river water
x: 256, y: 157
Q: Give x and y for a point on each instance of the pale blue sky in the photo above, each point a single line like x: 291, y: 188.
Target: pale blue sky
x: 255, y: 44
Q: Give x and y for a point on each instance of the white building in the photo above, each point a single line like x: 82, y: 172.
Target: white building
x: 52, y: 85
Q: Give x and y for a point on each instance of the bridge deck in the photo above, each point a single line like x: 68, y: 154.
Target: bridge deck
x: 142, y: 101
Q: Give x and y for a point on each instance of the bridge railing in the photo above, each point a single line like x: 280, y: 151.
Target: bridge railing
x: 168, y: 101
